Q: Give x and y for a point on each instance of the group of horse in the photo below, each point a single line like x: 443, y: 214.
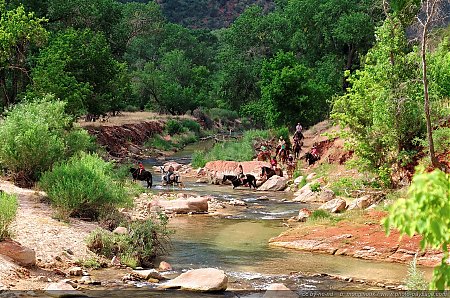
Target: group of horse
x: 249, y: 179
x: 166, y: 180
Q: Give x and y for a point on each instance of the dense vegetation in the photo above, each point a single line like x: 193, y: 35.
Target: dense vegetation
x: 297, y: 61
x: 8, y: 209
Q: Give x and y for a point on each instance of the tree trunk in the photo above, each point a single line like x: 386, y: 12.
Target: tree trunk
x: 432, y: 155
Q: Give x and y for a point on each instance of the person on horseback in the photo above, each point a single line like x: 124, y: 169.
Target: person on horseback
x: 273, y: 162
x: 170, y: 172
x: 314, y: 151
x: 141, y: 168
x: 240, y: 174
x: 298, y: 132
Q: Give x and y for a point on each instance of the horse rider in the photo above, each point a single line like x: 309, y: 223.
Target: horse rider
x: 170, y: 172
x: 141, y: 168
x: 240, y: 174
x: 273, y: 162
x: 314, y: 151
x: 298, y: 131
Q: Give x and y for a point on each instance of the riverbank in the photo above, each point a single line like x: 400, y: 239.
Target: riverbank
x: 364, y: 238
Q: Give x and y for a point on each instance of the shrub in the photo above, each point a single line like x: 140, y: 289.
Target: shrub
x: 83, y: 186
x: 36, y: 134
x: 8, y: 209
x: 173, y: 127
x: 315, y: 187
x: 191, y: 125
x: 159, y: 143
x: 198, y: 159
x: 222, y: 114
x: 345, y: 185
x: 145, y: 240
x: 415, y: 279
x: 320, y: 214
x: 184, y: 139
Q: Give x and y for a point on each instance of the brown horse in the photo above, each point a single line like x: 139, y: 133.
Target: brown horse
x: 263, y: 156
x: 269, y: 172
x: 283, y: 155
x: 297, y: 148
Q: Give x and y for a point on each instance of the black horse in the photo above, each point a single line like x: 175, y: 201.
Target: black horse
x: 143, y: 176
x: 172, y: 180
x: 250, y: 179
x: 269, y: 172
x: 311, y: 158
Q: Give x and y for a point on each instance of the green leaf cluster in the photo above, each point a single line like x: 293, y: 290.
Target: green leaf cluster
x: 425, y: 212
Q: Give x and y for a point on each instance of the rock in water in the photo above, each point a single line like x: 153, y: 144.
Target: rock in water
x: 202, y: 280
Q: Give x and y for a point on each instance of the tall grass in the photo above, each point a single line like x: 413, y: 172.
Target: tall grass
x: 8, y: 209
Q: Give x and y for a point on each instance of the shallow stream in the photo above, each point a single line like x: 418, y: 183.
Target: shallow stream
x: 238, y: 244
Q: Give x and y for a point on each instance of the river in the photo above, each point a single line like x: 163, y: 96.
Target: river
x: 238, y: 244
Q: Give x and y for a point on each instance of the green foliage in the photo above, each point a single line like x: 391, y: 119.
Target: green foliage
x: 319, y: 214
x: 198, y: 159
x: 159, y: 142
x: 191, y: 125
x: 315, y: 187
x: 290, y: 93
x: 233, y: 150
x: 144, y: 241
x: 8, y: 209
x: 426, y: 212
x: 383, y: 107
x: 90, y: 263
x: 174, y: 127
x: 37, y: 134
x: 78, y: 67
x: 83, y: 186
x: 20, y: 31
x: 218, y: 114
x: 181, y: 140
x: 415, y: 279
x: 345, y: 185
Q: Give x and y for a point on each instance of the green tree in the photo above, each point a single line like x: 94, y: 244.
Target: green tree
x: 289, y: 92
x: 382, y: 107
x: 78, y: 67
x: 426, y: 212
x: 19, y: 31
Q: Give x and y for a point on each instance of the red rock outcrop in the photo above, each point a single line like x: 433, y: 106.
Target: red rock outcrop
x: 219, y: 168
x: 121, y: 141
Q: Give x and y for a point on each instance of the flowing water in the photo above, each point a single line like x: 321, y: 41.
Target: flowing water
x: 238, y: 244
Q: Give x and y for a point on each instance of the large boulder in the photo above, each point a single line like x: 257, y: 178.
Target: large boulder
x: 147, y: 274
x: 174, y: 164
x: 62, y: 289
x: 362, y: 202
x: 194, y: 204
x: 305, y: 194
x: 326, y: 195
x: 334, y: 206
x: 203, y: 280
x: 217, y: 169
x: 274, y: 183
x: 279, y: 291
x: 19, y: 254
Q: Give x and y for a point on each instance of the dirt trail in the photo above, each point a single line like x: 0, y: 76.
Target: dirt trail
x: 57, y: 244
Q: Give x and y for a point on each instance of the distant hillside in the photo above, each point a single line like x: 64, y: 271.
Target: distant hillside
x: 206, y: 13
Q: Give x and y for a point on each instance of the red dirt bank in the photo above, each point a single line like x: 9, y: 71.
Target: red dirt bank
x: 365, y: 241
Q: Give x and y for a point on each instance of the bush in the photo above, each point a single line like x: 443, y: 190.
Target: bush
x: 191, y: 125
x: 184, y: 139
x: 415, y: 280
x: 83, y: 186
x: 35, y: 135
x: 173, y: 127
x: 222, y: 114
x: 8, y: 209
x: 198, y: 159
x: 144, y: 241
x: 159, y: 143
x: 319, y: 215
x: 315, y: 187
